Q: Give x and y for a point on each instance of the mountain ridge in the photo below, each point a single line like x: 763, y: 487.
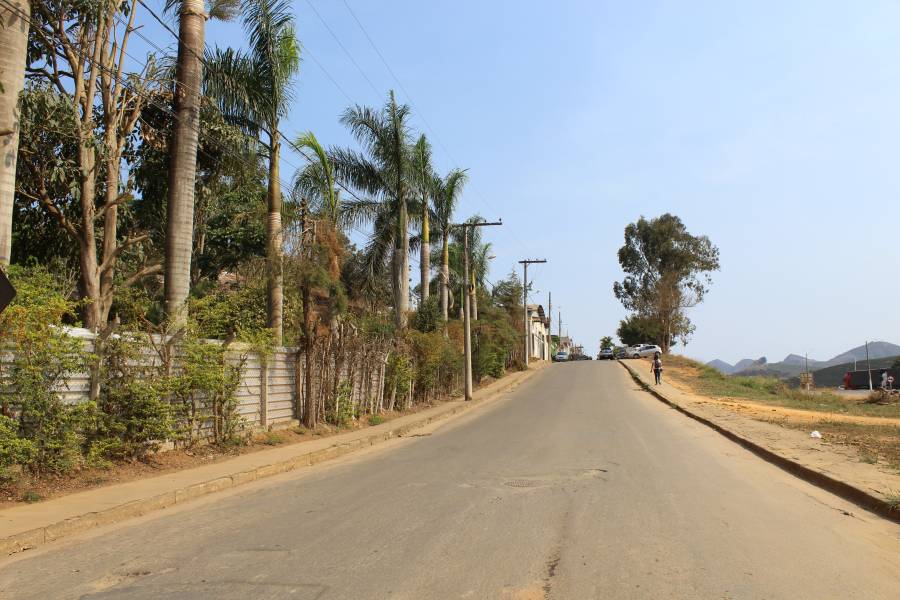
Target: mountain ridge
x: 794, y: 364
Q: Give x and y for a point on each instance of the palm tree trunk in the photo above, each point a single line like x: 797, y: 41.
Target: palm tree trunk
x: 474, y: 301
x: 401, y: 260
x: 13, y: 43
x: 274, y: 236
x: 425, y: 262
x: 445, y: 277
x: 183, y: 161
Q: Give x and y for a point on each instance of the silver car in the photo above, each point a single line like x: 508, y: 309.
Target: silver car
x: 644, y: 350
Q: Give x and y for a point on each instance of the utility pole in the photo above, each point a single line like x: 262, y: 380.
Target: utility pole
x: 868, y: 365
x: 466, y: 298
x: 525, y: 264
x: 549, y: 324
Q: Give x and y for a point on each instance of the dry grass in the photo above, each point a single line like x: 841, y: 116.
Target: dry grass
x: 876, y: 444
x: 708, y: 381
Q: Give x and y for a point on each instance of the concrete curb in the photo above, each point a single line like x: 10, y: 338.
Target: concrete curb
x: 837, y: 487
x: 33, y: 538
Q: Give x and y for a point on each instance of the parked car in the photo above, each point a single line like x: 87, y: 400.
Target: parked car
x: 620, y: 353
x: 644, y: 350
x: 561, y: 356
x: 605, y: 354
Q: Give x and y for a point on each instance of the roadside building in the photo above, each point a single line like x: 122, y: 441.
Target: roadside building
x: 539, y: 330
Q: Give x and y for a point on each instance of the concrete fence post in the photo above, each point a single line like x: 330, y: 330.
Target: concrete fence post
x: 264, y: 393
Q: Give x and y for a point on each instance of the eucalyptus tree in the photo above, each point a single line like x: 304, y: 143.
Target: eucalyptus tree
x: 84, y: 94
x: 383, y: 171
x: 424, y: 178
x: 255, y: 88
x: 14, y: 26
x: 446, y: 195
x: 183, y: 146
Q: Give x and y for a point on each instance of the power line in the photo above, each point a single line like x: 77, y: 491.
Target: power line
x: 420, y: 114
x: 151, y: 101
x: 162, y: 22
x: 344, y: 48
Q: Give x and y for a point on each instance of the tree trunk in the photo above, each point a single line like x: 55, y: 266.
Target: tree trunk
x: 183, y: 161
x: 474, y: 301
x: 401, y: 269
x: 13, y: 44
x: 425, y: 262
x: 309, y: 417
x: 90, y: 274
x: 274, y: 235
x: 445, y: 278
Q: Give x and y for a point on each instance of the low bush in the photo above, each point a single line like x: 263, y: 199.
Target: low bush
x: 43, y: 356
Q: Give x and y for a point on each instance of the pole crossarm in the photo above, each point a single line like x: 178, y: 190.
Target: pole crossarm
x: 477, y: 224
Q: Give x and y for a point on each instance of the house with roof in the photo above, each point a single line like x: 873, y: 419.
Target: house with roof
x: 539, y: 332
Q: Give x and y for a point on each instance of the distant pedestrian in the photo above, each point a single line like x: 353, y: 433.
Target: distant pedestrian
x: 848, y: 379
x: 884, y: 380
x: 656, y: 367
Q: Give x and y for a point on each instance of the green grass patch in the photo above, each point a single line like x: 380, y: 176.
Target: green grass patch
x: 30, y: 496
x: 876, y: 444
x: 376, y: 420
x: 893, y: 500
x: 271, y: 438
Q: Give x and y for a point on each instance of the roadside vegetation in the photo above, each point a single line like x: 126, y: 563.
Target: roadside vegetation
x: 154, y: 204
x: 708, y: 381
x: 667, y: 271
x: 872, y: 429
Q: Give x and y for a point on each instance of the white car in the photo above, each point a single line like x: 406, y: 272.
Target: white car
x: 644, y: 350
x: 561, y: 356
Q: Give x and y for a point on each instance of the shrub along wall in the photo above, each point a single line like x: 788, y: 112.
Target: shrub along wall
x: 70, y: 397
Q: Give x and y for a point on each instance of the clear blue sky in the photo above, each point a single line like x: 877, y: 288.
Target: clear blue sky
x: 771, y: 127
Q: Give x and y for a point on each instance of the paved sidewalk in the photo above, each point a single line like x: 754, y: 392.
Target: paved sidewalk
x: 838, y: 466
x: 28, y: 526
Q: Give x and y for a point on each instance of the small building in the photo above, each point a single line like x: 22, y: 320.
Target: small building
x: 539, y: 330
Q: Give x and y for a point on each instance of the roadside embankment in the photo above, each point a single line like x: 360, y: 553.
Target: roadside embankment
x: 28, y: 526
x: 826, y: 462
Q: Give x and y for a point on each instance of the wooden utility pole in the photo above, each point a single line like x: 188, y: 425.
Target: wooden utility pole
x: 466, y: 301
x: 525, y: 264
x: 549, y: 324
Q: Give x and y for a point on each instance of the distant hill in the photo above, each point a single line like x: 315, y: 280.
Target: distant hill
x: 743, y: 364
x: 721, y: 365
x: 833, y: 376
x: 794, y: 364
x: 780, y: 370
x: 800, y: 361
x: 876, y: 350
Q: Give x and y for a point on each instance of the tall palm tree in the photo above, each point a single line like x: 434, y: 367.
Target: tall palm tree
x: 317, y: 179
x: 255, y: 89
x: 447, y: 192
x: 183, y: 148
x: 424, y: 177
x: 384, y: 172
x: 14, y: 25
x: 478, y: 267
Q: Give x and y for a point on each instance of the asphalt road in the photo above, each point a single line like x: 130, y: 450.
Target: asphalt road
x: 578, y: 486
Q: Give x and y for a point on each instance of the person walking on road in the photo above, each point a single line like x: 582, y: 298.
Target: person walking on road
x: 656, y: 367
